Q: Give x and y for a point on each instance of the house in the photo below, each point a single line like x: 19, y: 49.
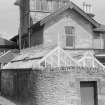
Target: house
x: 7, y: 51
x: 64, y: 63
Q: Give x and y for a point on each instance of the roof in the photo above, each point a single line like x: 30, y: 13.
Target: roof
x: 15, y: 37
x: 100, y: 29
x: 7, y: 57
x: 56, y: 57
x: 70, y: 5
x: 33, y: 53
x: 21, y: 65
x: 4, y: 43
x: 29, y: 56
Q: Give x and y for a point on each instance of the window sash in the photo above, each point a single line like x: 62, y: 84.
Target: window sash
x: 50, y: 5
x: 70, y: 36
x: 44, y: 5
x: 69, y: 30
x: 70, y: 41
x: 38, y: 5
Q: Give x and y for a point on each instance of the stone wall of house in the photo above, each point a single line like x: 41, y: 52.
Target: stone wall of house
x: 62, y: 87
x: 57, y: 87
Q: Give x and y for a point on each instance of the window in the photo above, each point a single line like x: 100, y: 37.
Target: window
x: 50, y: 5
x: 39, y: 5
x: 44, y: 5
x: 55, y: 5
x: 88, y: 90
x: 70, y: 36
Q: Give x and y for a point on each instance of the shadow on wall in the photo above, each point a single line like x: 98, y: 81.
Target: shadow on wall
x: 17, y: 86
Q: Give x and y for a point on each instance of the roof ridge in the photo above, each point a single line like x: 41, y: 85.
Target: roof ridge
x: 60, y: 10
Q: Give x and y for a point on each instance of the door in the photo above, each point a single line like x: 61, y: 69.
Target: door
x: 88, y: 93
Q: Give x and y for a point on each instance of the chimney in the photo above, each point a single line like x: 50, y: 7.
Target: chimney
x: 87, y: 7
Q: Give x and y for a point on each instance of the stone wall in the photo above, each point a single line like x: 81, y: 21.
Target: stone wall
x: 58, y: 86
x: 63, y: 87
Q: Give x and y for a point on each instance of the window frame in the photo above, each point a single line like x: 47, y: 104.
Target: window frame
x: 69, y: 33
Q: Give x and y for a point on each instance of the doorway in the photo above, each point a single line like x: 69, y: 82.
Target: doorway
x: 88, y: 90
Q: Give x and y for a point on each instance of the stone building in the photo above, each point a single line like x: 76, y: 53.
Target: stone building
x: 64, y: 64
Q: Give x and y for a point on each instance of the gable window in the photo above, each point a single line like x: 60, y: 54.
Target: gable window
x: 70, y: 36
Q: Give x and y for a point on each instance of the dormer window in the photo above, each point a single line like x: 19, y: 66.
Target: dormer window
x: 70, y: 36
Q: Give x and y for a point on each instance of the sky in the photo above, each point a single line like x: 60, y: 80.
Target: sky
x: 9, y: 18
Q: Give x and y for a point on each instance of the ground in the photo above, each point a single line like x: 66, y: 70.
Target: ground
x: 4, y: 101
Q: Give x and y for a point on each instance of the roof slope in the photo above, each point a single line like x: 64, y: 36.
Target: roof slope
x: 6, y: 42
x: 33, y: 53
x: 29, y: 56
x: 8, y: 56
x: 100, y: 29
x: 70, y: 5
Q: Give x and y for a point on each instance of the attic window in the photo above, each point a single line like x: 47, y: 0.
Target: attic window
x: 70, y: 36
